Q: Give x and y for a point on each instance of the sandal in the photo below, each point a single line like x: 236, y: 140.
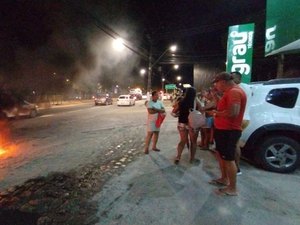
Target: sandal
x: 176, y: 160
x: 217, y: 182
x: 195, y: 161
x: 224, y: 192
x: 156, y: 149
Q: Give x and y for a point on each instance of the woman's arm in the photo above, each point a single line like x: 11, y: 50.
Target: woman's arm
x: 198, y: 105
x: 175, y: 108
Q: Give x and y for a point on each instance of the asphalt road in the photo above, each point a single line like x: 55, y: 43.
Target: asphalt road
x: 66, y: 137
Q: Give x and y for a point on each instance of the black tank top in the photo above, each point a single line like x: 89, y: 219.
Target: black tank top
x: 184, y: 109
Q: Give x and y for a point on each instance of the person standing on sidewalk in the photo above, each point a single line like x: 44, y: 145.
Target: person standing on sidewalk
x: 228, y: 120
x: 182, y: 108
x: 154, y: 106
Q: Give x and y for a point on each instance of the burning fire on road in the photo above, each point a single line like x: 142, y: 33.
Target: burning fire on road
x: 6, y: 148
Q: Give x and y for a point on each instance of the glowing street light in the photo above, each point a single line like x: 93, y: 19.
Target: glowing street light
x: 162, y: 84
x: 172, y: 48
x: 118, y: 44
x: 142, y: 72
x: 178, y: 78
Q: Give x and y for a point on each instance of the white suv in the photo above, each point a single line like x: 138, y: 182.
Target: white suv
x: 272, y: 138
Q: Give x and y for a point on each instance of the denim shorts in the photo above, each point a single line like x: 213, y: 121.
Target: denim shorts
x: 209, y: 122
x: 183, y: 126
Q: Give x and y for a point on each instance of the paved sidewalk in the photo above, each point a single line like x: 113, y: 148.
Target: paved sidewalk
x: 152, y: 190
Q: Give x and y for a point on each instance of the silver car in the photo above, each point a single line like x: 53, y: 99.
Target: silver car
x: 20, y: 109
x: 103, y: 99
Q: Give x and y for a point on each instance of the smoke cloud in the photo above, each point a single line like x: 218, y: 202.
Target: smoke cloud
x: 42, y: 41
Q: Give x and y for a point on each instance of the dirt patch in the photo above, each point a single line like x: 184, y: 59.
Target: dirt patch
x: 64, y: 198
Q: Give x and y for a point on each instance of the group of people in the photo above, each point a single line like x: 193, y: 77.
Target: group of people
x: 225, y: 109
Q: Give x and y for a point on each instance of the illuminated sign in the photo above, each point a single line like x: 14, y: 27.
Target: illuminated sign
x: 240, y: 49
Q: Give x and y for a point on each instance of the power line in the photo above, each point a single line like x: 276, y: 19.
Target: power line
x: 108, y: 30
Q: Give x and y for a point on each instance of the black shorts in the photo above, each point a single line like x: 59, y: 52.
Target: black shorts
x: 226, y: 141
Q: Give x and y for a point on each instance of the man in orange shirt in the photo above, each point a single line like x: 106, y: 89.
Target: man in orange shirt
x: 228, y: 120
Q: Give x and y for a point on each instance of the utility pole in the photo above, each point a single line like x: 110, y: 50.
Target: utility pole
x: 149, y: 70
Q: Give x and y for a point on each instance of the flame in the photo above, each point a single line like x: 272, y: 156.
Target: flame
x: 2, y: 151
x: 8, y: 151
x: 6, y: 148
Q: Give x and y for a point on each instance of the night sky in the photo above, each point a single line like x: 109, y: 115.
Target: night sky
x: 43, y: 43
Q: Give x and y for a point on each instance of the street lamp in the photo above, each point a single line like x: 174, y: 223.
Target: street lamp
x: 142, y: 72
x: 162, y: 84
x: 118, y: 44
x: 172, y: 48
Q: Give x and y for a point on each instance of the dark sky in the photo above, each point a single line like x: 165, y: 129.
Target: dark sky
x: 69, y: 38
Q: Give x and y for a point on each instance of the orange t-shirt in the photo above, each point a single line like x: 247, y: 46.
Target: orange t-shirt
x: 234, y: 95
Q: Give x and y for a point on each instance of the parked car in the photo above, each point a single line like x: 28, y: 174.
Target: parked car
x: 103, y: 99
x: 272, y: 138
x: 125, y: 100
x: 20, y: 108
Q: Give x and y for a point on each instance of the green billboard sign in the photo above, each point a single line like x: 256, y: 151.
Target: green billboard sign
x: 170, y: 86
x: 282, y: 27
x: 240, y: 49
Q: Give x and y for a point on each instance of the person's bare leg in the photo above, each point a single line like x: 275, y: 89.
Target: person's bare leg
x: 224, y: 178
x: 206, y: 138
x: 211, y: 140
x: 183, y: 140
x: 237, y: 156
x: 155, y: 139
x: 230, y: 168
x: 202, y: 136
x: 147, y: 141
x: 193, y: 137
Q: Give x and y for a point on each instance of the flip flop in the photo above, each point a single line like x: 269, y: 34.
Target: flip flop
x: 216, y: 182
x: 223, y: 192
x: 156, y: 150
x: 195, y: 161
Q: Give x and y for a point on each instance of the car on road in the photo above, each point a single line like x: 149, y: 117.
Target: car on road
x: 103, y: 99
x: 166, y: 96
x: 20, y: 108
x: 272, y: 138
x: 125, y: 100
x: 137, y: 96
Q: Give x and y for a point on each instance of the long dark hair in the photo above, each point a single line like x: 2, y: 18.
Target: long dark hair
x: 189, y: 97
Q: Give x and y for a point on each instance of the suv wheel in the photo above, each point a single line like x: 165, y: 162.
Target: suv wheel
x: 279, y: 154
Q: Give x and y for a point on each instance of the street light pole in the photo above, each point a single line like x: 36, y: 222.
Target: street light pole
x: 162, y: 84
x: 151, y: 65
x: 149, y: 73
